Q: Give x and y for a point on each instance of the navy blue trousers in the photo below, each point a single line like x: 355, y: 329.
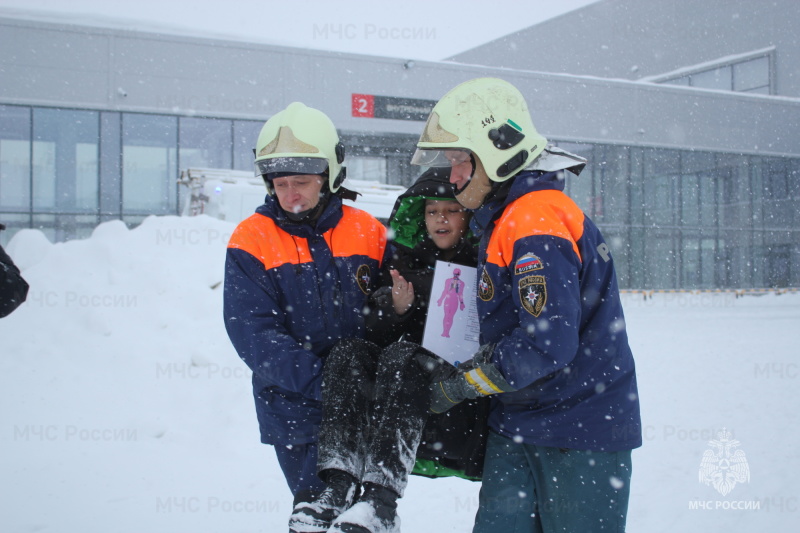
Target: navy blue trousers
x: 299, y: 465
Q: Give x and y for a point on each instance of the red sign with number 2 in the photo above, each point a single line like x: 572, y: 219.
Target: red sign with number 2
x: 364, y: 105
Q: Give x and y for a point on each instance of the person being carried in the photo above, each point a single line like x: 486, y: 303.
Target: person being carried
x: 377, y: 426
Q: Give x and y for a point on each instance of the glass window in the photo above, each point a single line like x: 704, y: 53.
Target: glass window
x: 683, y: 80
x: 759, y: 90
x: 65, y: 160
x: 205, y: 142
x: 245, y: 134
x: 637, y: 273
x: 15, y: 157
x: 661, y: 263
x: 690, y: 200
x: 661, y: 171
x: 366, y: 168
x: 581, y: 188
x: 149, y: 164
x: 636, y: 186
x: 751, y: 75
x: 776, y: 185
x: 614, y: 186
x: 690, y: 263
x: 110, y: 164
x: 709, y: 204
x: 718, y: 78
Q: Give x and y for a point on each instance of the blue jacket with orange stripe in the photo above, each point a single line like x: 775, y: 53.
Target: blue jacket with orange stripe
x: 548, y: 298
x: 291, y: 292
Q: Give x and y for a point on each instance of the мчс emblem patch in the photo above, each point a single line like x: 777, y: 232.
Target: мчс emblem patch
x: 485, y: 287
x: 527, y: 263
x: 363, y: 278
x: 533, y: 294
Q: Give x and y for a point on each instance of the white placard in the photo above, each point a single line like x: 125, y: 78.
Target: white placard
x: 451, y: 329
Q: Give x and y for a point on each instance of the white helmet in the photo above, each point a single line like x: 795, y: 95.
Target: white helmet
x: 487, y: 117
x: 300, y: 140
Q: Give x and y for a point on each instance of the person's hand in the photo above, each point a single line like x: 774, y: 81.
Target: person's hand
x: 462, y: 306
x: 451, y: 392
x: 476, y: 377
x: 402, y: 293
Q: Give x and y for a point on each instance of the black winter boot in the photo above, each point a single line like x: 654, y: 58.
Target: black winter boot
x: 317, y: 516
x: 375, y: 512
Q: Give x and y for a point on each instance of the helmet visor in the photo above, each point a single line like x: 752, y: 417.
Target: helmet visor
x: 440, y: 158
x: 295, y: 165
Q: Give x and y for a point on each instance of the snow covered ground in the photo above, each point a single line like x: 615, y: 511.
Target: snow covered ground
x: 124, y: 408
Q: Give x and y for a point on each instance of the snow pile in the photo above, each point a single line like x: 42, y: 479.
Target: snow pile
x: 124, y: 407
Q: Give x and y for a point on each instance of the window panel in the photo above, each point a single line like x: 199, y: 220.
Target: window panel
x: 683, y: 80
x: 366, y: 168
x: 661, y: 172
x: 245, y: 134
x: 661, y: 263
x: 751, y: 75
x: 205, y: 142
x: 150, y: 170
x: 718, y: 78
x: 65, y: 160
x: 614, y: 186
x: 581, y: 188
x: 15, y: 157
x: 690, y: 200
x: 759, y: 90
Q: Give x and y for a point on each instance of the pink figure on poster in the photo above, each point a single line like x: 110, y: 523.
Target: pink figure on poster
x: 453, y: 298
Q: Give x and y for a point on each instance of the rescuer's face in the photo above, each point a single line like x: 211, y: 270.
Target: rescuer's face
x: 298, y: 193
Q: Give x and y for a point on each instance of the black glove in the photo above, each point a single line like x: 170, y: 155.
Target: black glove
x: 476, y: 377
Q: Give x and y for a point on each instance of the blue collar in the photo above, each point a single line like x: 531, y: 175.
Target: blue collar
x: 330, y: 216
x: 523, y: 183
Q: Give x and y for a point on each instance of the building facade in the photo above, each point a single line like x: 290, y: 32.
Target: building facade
x: 693, y: 188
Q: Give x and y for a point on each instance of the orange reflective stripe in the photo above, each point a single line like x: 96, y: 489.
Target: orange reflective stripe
x: 537, y: 213
x: 260, y: 237
x: 358, y: 233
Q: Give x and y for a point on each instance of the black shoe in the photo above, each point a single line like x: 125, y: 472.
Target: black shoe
x: 318, y: 515
x: 376, y: 512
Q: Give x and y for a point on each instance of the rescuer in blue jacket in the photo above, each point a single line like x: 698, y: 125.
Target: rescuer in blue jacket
x: 555, y: 357
x: 297, y: 276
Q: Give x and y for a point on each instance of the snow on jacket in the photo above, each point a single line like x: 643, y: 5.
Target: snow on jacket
x: 548, y: 298
x: 291, y: 292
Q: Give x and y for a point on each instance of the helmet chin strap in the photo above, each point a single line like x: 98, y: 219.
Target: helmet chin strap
x: 477, y: 188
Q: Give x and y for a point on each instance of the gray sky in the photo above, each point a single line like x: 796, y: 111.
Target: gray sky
x: 413, y: 29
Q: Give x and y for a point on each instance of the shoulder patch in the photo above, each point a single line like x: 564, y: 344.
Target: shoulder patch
x: 527, y: 263
x: 485, y: 287
x: 363, y: 277
x: 533, y: 294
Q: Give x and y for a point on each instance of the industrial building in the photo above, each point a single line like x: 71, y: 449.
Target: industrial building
x: 688, y: 111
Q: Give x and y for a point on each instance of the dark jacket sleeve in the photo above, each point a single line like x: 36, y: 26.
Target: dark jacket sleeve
x: 255, y: 324
x: 13, y: 288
